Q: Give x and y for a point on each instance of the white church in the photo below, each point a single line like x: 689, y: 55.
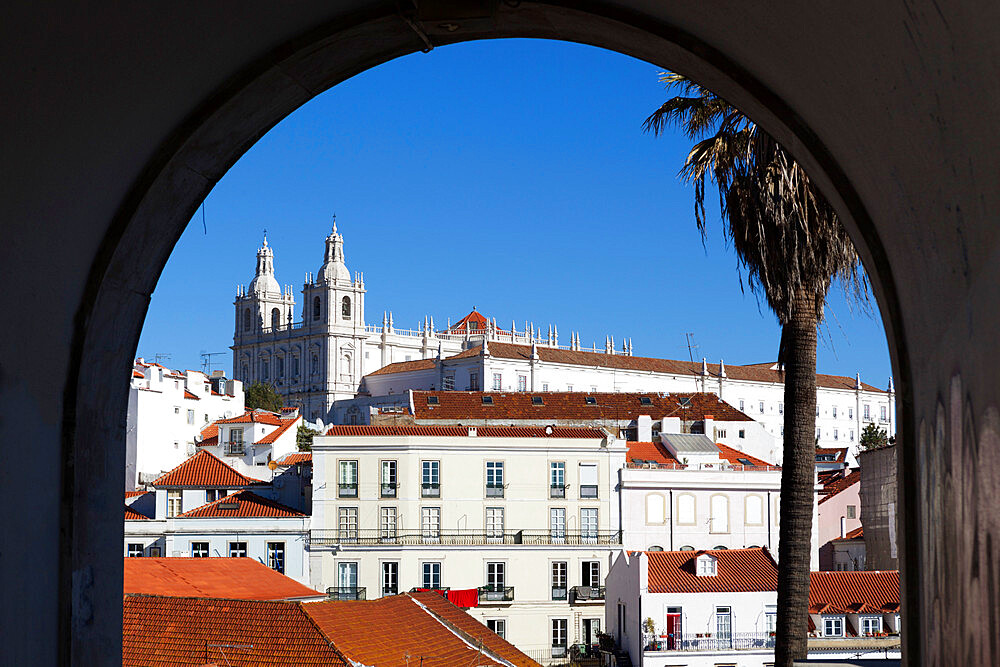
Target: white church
x: 332, y: 361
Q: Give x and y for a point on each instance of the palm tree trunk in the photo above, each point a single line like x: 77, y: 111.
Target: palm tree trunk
x: 797, y: 482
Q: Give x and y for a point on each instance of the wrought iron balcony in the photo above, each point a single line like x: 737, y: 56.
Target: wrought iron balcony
x: 494, y: 593
x: 583, y: 594
x: 736, y: 641
x: 346, y: 593
x: 559, y: 650
x: 388, y: 489
x: 348, y: 490
x: 494, y: 490
x: 234, y: 448
x: 466, y: 537
x: 430, y: 490
x: 558, y: 592
x: 557, y: 491
x: 588, y: 490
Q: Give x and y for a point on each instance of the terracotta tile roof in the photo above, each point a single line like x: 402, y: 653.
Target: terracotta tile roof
x: 137, y: 374
x: 737, y: 571
x: 160, y: 631
x: 188, y: 394
x: 839, y: 453
x: 425, y: 626
x: 133, y: 494
x: 204, y: 470
x: 209, y: 435
x: 754, y: 372
x: 655, y: 451
x: 254, y: 416
x: 405, y: 366
x: 238, y: 578
x: 856, y: 534
x: 476, y: 320
x: 834, y: 487
x: 846, y: 592
x: 463, y: 431
x: 132, y: 515
x: 734, y: 455
x: 278, y: 432
x: 559, y: 405
x: 296, y: 457
x: 248, y: 505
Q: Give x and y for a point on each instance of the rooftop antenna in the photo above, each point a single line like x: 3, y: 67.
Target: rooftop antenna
x: 161, y: 355
x: 691, y: 346
x: 206, y: 361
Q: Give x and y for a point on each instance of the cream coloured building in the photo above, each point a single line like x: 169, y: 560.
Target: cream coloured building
x: 523, y: 520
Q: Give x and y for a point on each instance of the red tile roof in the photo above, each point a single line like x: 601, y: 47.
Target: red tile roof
x: 296, y: 457
x: 734, y: 455
x: 572, y: 406
x: 133, y: 494
x: 214, y: 632
x: 655, y: 451
x: 834, y: 487
x: 424, y: 626
x: 476, y: 320
x: 247, y: 505
x: 254, y: 416
x: 839, y: 453
x: 209, y: 435
x: 405, y: 366
x: 856, y: 534
x: 204, y: 470
x: 132, y: 515
x: 137, y: 374
x: 846, y: 592
x: 188, y: 394
x: 463, y: 431
x: 753, y: 373
x: 277, y: 433
x: 737, y: 571
x: 240, y: 578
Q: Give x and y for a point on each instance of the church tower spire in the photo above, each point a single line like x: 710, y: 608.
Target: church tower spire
x: 334, y: 267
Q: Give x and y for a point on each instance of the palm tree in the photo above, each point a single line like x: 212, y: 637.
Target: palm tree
x: 792, y: 246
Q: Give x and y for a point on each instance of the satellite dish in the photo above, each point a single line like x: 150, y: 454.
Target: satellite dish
x: 272, y: 465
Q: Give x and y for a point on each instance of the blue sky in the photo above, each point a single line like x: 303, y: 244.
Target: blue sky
x: 511, y: 175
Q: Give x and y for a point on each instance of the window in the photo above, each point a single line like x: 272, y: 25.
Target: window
x: 495, y: 578
x: 589, y: 400
x: 754, y: 506
x: 835, y: 412
x: 686, y: 509
x: 388, y: 479
x: 724, y: 625
x: 135, y: 551
x: 199, y: 550
x: 852, y: 435
x: 494, y: 523
x: 761, y: 405
x: 295, y: 367
x: 177, y: 410
x: 537, y: 400
x: 473, y: 381
x: 246, y: 373
x: 314, y: 364
x: 235, y: 445
x: 347, y: 580
x: 211, y: 495
x: 817, y: 409
x: 557, y: 479
x: 588, y: 524
x: 390, y: 578
x: 770, y: 618
x: 433, y: 400
x: 559, y: 575
x: 276, y: 556
x: 871, y: 625
x: 317, y: 307
x: 720, y: 433
x: 643, y: 400
x: 387, y: 523
x: 430, y: 523
x: 741, y: 405
x: 836, y: 434
x: 743, y: 433
x: 882, y: 414
x: 588, y: 480
x: 279, y: 367
x: 430, y: 479
x: 156, y: 552
x: 448, y: 382
x: 818, y: 432
x: 190, y: 415
x: 720, y: 514
x: 494, y: 479
x: 265, y: 369
x: 706, y: 566
x: 833, y: 626
x: 345, y: 308
x: 850, y: 413
x: 852, y: 511
x: 246, y: 320
x: 173, y: 503
x: 781, y: 408
x: 348, y: 479
x: 590, y: 573
x: 559, y: 626
x: 545, y: 386
x: 497, y: 625
x: 432, y: 575
x: 348, y: 522
x: 557, y: 523
x: 867, y: 411
x: 487, y: 400
x: 237, y: 549
x: 497, y: 381
x: 522, y: 383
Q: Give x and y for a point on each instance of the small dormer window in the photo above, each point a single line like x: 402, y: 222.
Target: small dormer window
x: 706, y: 566
x: 645, y: 400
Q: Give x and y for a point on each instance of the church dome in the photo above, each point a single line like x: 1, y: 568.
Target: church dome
x: 264, y: 281
x: 334, y: 267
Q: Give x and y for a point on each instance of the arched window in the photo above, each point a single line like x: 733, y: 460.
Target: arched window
x: 754, y: 510
x: 687, y: 547
x: 655, y: 547
x: 720, y: 547
x: 317, y: 307
x: 686, y: 509
x: 275, y: 318
x: 720, y: 514
x: 345, y: 308
x: 654, y: 508
x: 246, y: 320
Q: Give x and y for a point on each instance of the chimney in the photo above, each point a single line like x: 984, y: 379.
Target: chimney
x: 670, y: 425
x: 710, y: 427
x: 843, y: 526
x: 644, y: 427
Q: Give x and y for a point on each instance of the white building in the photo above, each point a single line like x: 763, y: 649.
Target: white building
x: 204, y: 508
x: 166, y: 411
x: 519, y: 522
x: 250, y: 441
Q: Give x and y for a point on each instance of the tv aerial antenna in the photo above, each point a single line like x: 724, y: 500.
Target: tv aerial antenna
x: 691, y: 345
x: 162, y: 356
x: 206, y: 361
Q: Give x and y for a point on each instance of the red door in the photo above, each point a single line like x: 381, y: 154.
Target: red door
x: 673, y: 632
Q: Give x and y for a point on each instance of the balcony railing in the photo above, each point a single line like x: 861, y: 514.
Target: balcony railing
x: 587, y: 594
x: 558, y: 592
x: 559, y: 651
x: 346, y: 593
x: 235, y: 449
x: 348, y: 490
x: 494, y: 593
x: 737, y: 641
x: 467, y: 537
x: 430, y: 490
x: 388, y: 489
x: 494, y: 490
x: 588, y: 490
x: 557, y: 491
x: 636, y: 464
